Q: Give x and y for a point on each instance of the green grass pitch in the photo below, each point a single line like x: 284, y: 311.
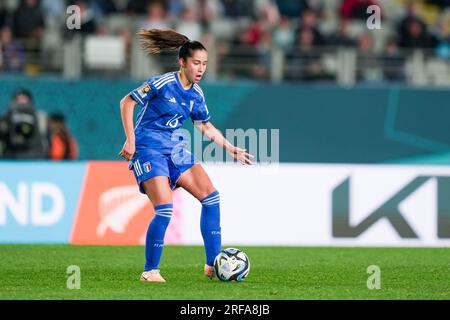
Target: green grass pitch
x: 112, y: 272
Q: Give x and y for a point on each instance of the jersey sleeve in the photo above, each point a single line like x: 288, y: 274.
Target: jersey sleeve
x: 144, y: 93
x: 200, y: 112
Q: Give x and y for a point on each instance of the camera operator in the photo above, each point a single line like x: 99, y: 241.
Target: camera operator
x: 23, y: 129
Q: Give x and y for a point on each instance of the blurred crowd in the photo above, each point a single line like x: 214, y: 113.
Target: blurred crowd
x: 28, y: 133
x: 36, y: 26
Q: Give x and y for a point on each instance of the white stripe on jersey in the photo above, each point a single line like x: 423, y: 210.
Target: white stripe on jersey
x: 137, y: 97
x: 165, y: 82
x: 142, y: 116
x: 164, y: 77
x: 199, y: 90
x: 168, y: 74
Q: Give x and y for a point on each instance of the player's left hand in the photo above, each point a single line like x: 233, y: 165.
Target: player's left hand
x: 241, y: 155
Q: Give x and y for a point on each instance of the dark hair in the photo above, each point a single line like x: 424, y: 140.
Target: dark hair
x: 22, y: 91
x: 155, y: 40
x: 59, y: 117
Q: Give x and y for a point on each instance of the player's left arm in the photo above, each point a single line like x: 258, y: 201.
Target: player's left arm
x: 208, y: 129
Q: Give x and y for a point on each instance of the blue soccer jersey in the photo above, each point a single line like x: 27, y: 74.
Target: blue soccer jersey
x: 165, y: 105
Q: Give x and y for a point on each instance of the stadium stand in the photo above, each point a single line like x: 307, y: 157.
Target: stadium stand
x: 271, y: 40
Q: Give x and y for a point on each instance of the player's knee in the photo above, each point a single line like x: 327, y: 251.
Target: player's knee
x: 206, y: 191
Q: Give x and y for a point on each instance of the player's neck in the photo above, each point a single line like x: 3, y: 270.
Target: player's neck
x: 184, y: 80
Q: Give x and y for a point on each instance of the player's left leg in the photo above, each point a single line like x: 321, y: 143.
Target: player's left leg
x: 197, y: 182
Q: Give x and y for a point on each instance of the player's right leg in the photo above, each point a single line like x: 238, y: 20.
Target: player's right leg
x: 160, y: 194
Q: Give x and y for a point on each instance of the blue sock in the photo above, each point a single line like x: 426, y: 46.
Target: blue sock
x: 210, y: 226
x: 155, y: 236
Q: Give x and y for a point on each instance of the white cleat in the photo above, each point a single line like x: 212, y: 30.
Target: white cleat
x: 152, y: 276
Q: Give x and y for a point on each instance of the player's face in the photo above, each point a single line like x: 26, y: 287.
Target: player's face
x: 195, y: 66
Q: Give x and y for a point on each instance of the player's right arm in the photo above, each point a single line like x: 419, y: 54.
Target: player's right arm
x: 141, y: 96
x: 126, y: 112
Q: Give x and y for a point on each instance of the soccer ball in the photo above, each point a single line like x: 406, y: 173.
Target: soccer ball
x: 231, y: 264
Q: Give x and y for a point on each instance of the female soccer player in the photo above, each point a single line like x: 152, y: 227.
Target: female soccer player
x: 158, y: 162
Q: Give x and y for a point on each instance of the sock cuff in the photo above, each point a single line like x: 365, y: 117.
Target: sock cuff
x: 164, y: 206
x: 212, y: 199
x: 164, y: 210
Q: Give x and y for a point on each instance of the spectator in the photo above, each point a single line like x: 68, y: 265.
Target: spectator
x: 442, y: 40
x: 12, y: 52
x: 292, y: 9
x: 24, y: 129
x: 393, y: 61
x: 52, y: 8
x: 103, y: 7
x: 189, y: 26
x: 136, y: 6
x: 63, y: 145
x: 306, y: 63
x: 305, y: 39
x: 156, y: 16
x: 175, y: 8
x: 368, y: 68
x: 309, y: 22
x: 251, y: 44
x: 341, y: 37
x: 356, y: 9
x: 283, y: 36
x: 238, y: 8
x: 209, y: 10
x: 416, y: 35
x: 5, y: 17
x: 412, y: 30
x: 29, y: 20
x: 28, y: 26
x: 365, y: 44
x: 268, y: 11
x: 254, y: 33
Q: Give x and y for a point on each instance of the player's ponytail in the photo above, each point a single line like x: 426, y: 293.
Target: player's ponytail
x: 156, y: 40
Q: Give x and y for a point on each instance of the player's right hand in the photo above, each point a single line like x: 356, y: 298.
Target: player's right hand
x: 128, y: 150
x: 241, y: 155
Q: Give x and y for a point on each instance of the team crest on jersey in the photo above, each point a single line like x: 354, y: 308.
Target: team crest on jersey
x: 144, y: 90
x: 147, y: 167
